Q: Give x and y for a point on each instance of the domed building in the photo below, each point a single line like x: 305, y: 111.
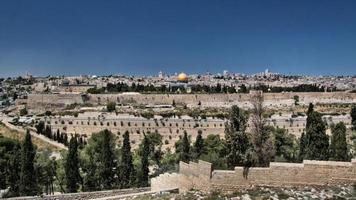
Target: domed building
x: 182, y: 77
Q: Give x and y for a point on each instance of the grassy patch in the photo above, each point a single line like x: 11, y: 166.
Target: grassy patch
x: 13, y: 134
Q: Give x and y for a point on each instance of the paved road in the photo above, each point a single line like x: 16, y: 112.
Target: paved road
x: 124, y: 196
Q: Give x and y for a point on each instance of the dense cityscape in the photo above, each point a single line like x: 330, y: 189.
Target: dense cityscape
x: 176, y: 100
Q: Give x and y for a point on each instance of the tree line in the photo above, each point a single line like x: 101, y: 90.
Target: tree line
x: 298, y: 88
x: 202, y: 88
x: 100, y: 165
x: 58, y: 136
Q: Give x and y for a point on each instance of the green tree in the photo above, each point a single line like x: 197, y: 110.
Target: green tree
x: 28, y: 182
x: 10, y: 165
x: 198, y: 146
x: 309, y: 111
x: 127, y: 168
x: 302, y: 146
x: 215, y: 151
x: 23, y: 111
x: 107, y: 158
x: 353, y: 117
x: 296, y: 100
x: 243, y: 89
x: 40, y: 127
x: 99, y: 161
x: 14, y: 168
x: 144, y: 162
x: 338, y: 146
x: 237, y: 141
x: 185, y: 153
x: 72, y: 167
x: 155, y: 146
x: 261, y: 138
x: 111, y: 106
x: 285, y: 145
x: 353, y: 143
x: 48, y: 131
x: 317, y: 147
x: 46, y: 171
x: 58, y: 136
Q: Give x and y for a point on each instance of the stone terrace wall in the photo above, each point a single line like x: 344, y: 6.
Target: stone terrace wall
x: 197, y: 176
x: 170, y: 129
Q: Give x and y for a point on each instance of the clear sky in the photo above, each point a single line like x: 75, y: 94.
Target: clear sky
x: 72, y: 37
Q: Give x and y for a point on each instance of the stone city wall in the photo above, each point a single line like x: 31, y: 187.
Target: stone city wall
x: 221, y: 100
x: 200, y: 176
x: 51, y: 102
x: 40, y: 102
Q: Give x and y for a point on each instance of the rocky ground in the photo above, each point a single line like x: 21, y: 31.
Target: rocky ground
x: 261, y: 193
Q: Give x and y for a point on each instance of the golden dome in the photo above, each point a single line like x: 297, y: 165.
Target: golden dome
x: 182, y: 77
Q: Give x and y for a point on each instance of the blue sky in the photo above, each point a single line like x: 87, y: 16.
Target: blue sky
x: 143, y: 37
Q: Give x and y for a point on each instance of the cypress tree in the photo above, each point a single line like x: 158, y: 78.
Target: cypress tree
x: 144, y: 162
x: 338, y: 146
x: 72, y: 167
x: 48, y: 131
x: 237, y: 141
x: 54, y: 136
x: 40, y: 127
x: 353, y: 117
x: 302, y: 146
x: 58, y: 136
x: 107, y: 160
x: 126, y: 159
x: 28, y: 182
x: 185, y: 154
x: 199, y: 145
x: 310, y: 110
x: 65, y: 139
x: 317, y: 147
x: 13, y: 170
